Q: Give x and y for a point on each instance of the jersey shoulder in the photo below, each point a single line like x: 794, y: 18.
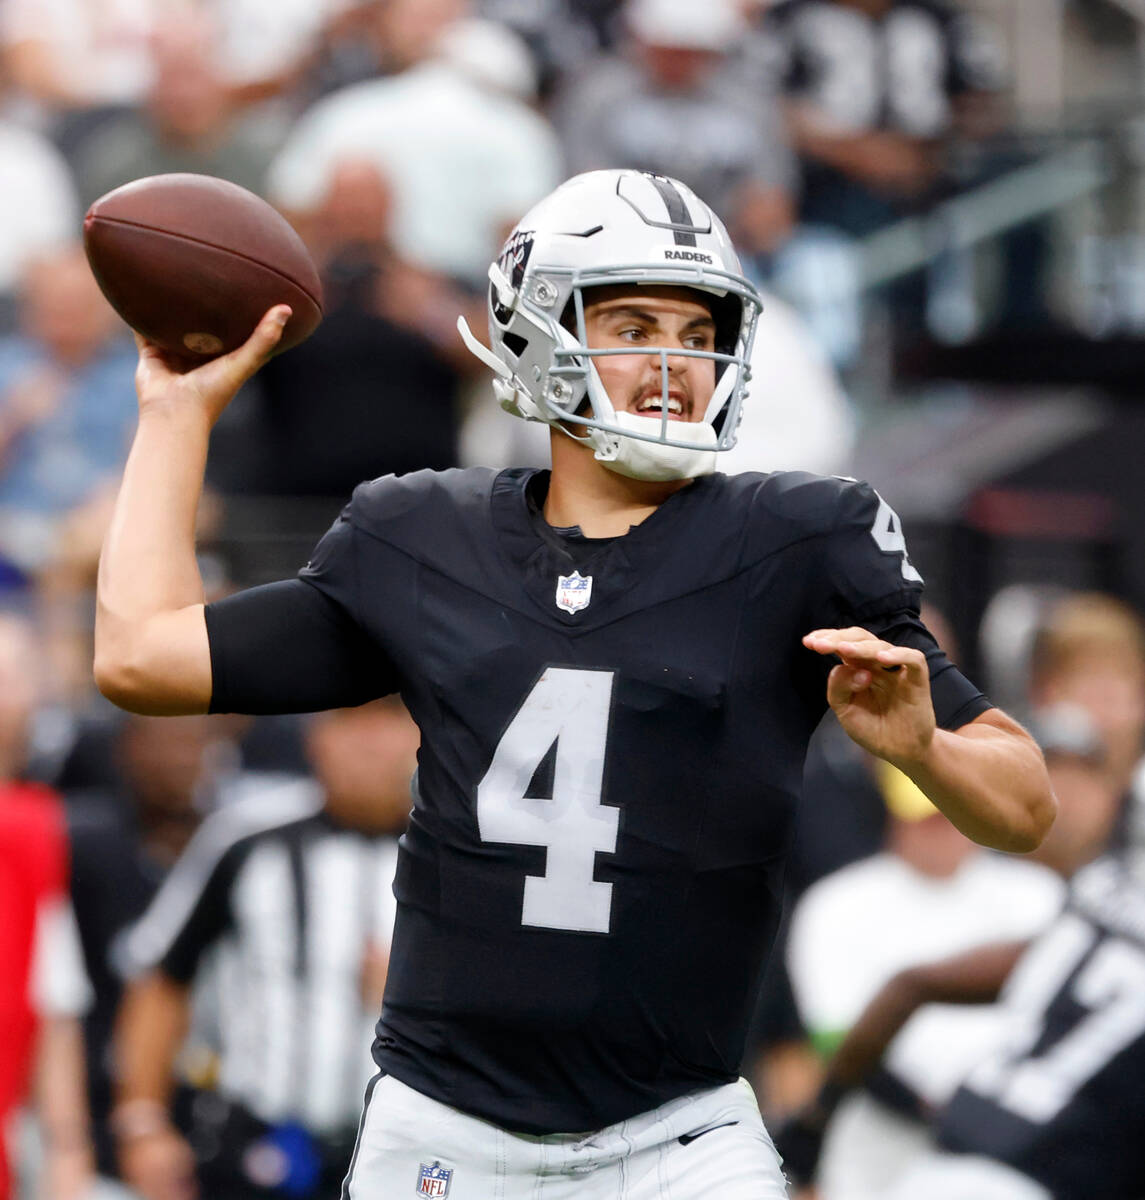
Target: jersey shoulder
x: 408, y: 509
x: 392, y: 498
x: 803, y: 504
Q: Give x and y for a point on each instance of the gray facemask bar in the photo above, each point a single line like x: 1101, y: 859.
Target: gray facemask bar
x: 567, y: 369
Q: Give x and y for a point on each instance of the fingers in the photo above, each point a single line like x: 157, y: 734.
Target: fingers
x: 826, y: 641
x: 862, y: 653
x: 246, y: 360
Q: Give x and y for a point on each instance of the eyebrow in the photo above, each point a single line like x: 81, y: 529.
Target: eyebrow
x: 641, y: 314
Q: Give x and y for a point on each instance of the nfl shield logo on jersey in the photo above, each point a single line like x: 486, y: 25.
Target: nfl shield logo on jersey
x: 574, y: 591
x: 434, y: 1180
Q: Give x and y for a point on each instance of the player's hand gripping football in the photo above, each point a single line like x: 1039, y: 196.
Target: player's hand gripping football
x: 165, y: 381
x: 879, y: 692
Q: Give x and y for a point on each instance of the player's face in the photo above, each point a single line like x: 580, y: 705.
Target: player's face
x: 675, y: 318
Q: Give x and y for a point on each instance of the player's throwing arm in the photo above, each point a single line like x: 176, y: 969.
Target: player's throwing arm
x: 213, y: 280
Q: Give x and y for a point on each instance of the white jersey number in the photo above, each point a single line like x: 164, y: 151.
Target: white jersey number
x: 1110, y: 990
x: 888, y: 536
x: 570, y: 707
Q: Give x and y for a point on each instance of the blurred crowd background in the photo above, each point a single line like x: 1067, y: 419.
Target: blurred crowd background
x: 944, y: 204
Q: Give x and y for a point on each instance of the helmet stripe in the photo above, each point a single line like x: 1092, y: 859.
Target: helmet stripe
x: 683, y: 227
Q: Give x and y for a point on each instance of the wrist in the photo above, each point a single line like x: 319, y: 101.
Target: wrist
x: 922, y: 757
x: 183, y: 415
x: 132, y: 1120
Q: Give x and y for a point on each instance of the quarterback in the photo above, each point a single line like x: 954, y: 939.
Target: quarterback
x: 615, y: 666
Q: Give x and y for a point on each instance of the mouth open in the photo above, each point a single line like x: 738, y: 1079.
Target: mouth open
x: 652, y: 406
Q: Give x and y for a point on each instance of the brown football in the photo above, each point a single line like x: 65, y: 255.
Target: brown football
x: 193, y: 262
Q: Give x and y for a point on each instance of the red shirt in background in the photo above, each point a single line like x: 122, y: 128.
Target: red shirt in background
x: 33, y: 870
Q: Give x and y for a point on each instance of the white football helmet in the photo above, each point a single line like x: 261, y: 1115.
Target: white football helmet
x: 606, y: 228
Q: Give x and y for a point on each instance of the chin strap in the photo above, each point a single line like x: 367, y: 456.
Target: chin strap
x: 639, y: 459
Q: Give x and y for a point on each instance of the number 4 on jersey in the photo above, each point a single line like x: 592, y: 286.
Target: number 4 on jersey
x: 887, y: 533
x: 568, y: 707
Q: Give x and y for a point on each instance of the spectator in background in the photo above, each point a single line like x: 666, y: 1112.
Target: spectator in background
x: 673, y: 103
x: 1090, y: 654
x: 39, y: 210
x: 81, y: 63
x: 189, y: 122
x: 63, y: 423
x: 66, y: 410
x: 385, y: 358
x: 299, y: 909
x: 77, y: 62
x: 872, y: 88
x: 1087, y: 812
x: 930, y: 892
x: 42, y: 986
x: 563, y: 35
x: 124, y: 839
x: 454, y: 138
x: 368, y: 38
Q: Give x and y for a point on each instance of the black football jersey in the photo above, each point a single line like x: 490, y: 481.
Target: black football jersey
x: 613, y: 735
x: 1064, y: 1101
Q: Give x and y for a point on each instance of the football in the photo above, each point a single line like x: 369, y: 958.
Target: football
x: 193, y: 262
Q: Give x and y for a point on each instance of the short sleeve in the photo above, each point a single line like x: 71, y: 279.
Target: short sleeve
x: 296, y: 645
x: 866, y: 570
x: 59, y: 982
x: 869, y: 580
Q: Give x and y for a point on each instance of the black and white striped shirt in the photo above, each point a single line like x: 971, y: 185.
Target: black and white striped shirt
x: 283, y: 905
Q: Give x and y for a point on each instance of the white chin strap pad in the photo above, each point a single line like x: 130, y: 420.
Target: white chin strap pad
x: 654, y: 461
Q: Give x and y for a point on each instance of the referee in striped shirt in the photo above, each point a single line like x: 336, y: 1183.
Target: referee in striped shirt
x: 285, y: 903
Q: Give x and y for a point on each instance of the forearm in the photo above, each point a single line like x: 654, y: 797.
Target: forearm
x: 148, y: 563
x: 148, y: 571
x: 990, y: 780
x: 150, y: 1029
x: 153, y: 1156
x: 975, y: 977
x: 151, y: 649
x: 61, y: 1086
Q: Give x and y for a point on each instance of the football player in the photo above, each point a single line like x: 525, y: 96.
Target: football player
x: 615, y: 666
x: 1079, y: 1150
x: 1055, y: 1111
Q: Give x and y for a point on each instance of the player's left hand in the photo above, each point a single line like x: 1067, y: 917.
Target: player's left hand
x: 880, y: 692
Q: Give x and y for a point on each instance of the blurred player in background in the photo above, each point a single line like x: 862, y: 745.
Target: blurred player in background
x: 615, y: 667
x: 930, y: 892
x: 124, y: 839
x: 1054, y: 1110
x: 291, y: 901
x: 1089, y: 654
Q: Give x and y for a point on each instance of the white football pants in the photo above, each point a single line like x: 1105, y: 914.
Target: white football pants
x: 707, y: 1146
